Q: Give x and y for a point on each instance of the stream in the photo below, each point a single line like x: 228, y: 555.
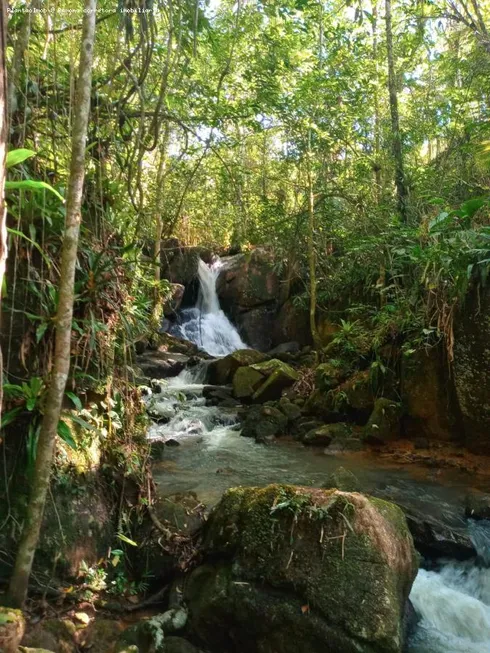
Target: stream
x: 452, y: 599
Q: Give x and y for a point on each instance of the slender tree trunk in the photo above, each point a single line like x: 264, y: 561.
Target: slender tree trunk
x: 401, y: 187
x: 311, y: 253
x: 64, y: 317
x: 377, y: 131
x: 3, y: 154
x: 157, y: 251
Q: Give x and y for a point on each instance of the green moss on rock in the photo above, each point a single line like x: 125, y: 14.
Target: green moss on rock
x: 384, y: 424
x: 303, y: 570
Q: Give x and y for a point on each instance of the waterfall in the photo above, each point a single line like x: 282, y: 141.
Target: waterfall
x: 454, y: 603
x: 206, y: 325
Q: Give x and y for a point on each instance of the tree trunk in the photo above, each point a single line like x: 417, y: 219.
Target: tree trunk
x: 3, y: 154
x: 377, y: 131
x: 157, y: 250
x: 64, y: 317
x: 312, y: 254
x: 401, y: 187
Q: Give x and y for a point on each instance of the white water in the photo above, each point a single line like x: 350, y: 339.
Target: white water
x: 454, y: 604
x: 206, y: 325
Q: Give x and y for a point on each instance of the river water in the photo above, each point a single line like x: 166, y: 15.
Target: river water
x: 452, y: 600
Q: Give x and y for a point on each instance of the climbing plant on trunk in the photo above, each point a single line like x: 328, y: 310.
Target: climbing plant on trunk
x: 64, y: 316
x: 3, y: 154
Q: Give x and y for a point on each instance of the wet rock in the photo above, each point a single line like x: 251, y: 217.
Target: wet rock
x: 248, y: 280
x: 255, y: 326
x: 292, y: 411
x: 216, y: 395
x: 343, y: 479
x: 477, y: 505
x: 278, y: 376
x: 292, y: 323
x: 166, y: 343
x: 341, y: 445
x: 173, y: 300
x: 436, y: 539
x: 221, y: 371
x: 385, y: 422
x: 180, y: 263
x: 470, y: 368
x: 12, y: 626
x: 284, y: 348
x: 101, y: 635
x: 147, y: 635
x: 245, y: 382
x: 161, y: 365
x: 179, y: 645
x: 263, y: 423
x: 269, y: 555
x: 427, y: 396
x: 324, y: 435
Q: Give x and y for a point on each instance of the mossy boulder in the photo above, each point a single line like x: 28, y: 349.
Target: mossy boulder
x: 324, y: 435
x: 222, y: 370
x: 385, y: 421
x: 300, y: 570
x: 57, y: 635
x: 245, y: 382
x: 264, y: 422
x: 278, y: 377
x: 12, y: 626
x: 427, y: 395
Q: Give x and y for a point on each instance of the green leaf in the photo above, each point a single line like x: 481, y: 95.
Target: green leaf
x: 470, y: 207
x: 82, y: 422
x: 76, y: 400
x: 17, y: 156
x: 31, y: 403
x: 31, y: 184
x: 9, y: 417
x: 41, y: 330
x: 126, y: 539
x: 22, y: 235
x: 65, y: 434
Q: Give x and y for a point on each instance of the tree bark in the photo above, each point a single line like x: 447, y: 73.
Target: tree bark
x: 3, y: 154
x: 377, y: 131
x: 311, y: 253
x: 400, y: 182
x: 64, y: 317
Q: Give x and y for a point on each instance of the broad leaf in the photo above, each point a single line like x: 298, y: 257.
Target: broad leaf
x: 65, y: 434
x: 17, y: 156
x: 31, y: 184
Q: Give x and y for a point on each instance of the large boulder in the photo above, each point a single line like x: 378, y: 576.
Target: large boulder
x: 249, y: 290
x: 324, y: 435
x: 471, y: 366
x: 222, y: 370
x: 292, y: 323
x: 427, y: 396
x: 173, y: 299
x: 179, y: 263
x: 301, y: 570
x: 263, y: 423
x: 278, y: 376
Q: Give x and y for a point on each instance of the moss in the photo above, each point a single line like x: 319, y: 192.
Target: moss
x: 300, y: 541
x: 245, y: 382
x: 12, y: 626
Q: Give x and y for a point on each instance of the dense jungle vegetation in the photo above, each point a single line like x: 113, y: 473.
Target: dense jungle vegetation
x: 348, y: 138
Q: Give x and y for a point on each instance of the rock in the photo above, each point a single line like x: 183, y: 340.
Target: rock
x: 343, y: 479
x: 284, y: 348
x: 323, y: 435
x: 57, y: 635
x: 278, y: 375
x: 179, y: 263
x: 147, y: 635
x: 358, y: 393
x: 161, y: 365
x: 477, y: 505
x: 470, y: 368
x: 427, y: 396
x: 26, y: 649
x: 249, y: 290
x: 295, y: 570
x: 245, y: 382
x: 173, y: 620
x: 179, y: 645
x: 166, y: 343
x: 12, y: 627
x: 436, y: 539
x: 263, y: 423
x: 292, y: 411
x: 292, y: 323
x: 222, y: 370
x: 101, y: 635
x: 173, y: 300
x: 384, y: 424
x: 344, y: 445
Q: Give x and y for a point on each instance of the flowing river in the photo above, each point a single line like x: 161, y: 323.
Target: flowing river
x: 452, y: 600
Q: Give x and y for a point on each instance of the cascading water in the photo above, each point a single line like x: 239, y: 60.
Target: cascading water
x: 454, y: 603
x: 206, y: 325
